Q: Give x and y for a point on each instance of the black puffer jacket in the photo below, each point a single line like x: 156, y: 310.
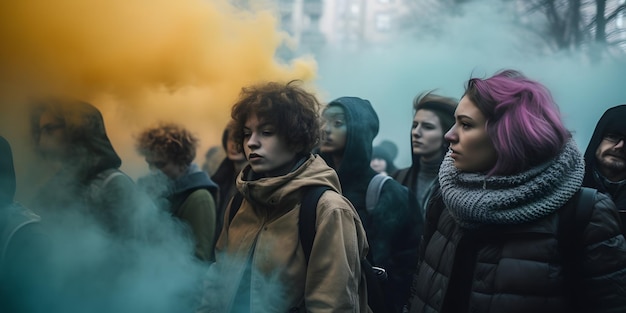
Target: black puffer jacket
x: 518, y: 268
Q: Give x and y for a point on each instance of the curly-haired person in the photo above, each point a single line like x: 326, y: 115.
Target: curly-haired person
x: 260, y: 262
x: 178, y: 184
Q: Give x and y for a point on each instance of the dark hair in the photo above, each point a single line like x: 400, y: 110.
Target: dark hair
x: 441, y: 106
x: 523, y: 121
x: 291, y: 109
x: 171, y: 140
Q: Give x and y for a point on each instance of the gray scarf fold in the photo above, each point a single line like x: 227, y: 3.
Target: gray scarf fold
x: 475, y: 199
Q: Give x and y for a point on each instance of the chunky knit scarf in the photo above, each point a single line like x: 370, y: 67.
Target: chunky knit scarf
x: 475, y: 199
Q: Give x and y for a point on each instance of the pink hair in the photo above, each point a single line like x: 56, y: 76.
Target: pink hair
x: 523, y: 120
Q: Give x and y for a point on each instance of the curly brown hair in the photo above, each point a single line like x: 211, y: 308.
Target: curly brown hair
x: 288, y: 107
x: 170, y: 140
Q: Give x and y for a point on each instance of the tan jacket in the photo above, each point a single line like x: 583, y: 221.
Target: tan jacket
x: 259, y: 254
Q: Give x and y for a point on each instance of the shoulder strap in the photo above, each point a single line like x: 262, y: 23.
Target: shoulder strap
x: 373, y: 191
x: 307, y: 218
x: 573, y: 217
x: 585, y: 206
x: 101, y: 181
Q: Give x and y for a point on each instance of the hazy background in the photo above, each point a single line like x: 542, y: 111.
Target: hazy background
x: 483, y: 39
x: 185, y: 61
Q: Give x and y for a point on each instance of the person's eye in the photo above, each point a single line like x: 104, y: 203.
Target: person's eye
x: 613, y: 137
x: 466, y: 126
x: 338, y: 123
x: 246, y: 134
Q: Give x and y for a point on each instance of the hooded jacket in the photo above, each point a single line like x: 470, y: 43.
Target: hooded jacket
x: 89, y: 179
x: 21, y: 245
x: 612, y: 121
x: 260, y: 264
x: 193, y: 201
x: 391, y: 225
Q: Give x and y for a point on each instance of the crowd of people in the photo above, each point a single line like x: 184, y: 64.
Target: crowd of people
x: 499, y: 210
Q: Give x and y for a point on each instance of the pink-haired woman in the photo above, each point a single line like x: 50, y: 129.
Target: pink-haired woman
x: 492, y: 241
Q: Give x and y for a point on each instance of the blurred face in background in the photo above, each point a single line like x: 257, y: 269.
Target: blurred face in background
x: 427, y: 135
x: 52, y: 136
x: 611, y: 157
x: 233, y: 154
x: 267, y: 153
x: 160, y: 162
x: 379, y: 165
x: 472, y: 148
x: 334, y: 130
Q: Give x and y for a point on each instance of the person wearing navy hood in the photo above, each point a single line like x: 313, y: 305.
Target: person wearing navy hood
x: 605, y: 157
x: 392, y: 227
x: 178, y: 184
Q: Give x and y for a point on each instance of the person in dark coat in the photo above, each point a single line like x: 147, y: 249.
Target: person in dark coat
x: 71, y: 135
x: 491, y: 241
x: 22, y: 246
x: 434, y: 115
x: 605, y: 157
x: 226, y: 174
x: 178, y: 185
x: 393, y: 228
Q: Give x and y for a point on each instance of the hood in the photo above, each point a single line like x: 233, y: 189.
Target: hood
x: 612, y: 121
x: 91, y: 149
x: 195, y: 179
x: 379, y: 152
x: 7, y: 173
x: 282, y: 192
x: 362, y: 123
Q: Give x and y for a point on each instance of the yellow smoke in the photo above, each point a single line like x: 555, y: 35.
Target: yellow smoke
x: 139, y: 62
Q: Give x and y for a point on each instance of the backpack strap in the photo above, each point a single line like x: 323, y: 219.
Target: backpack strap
x: 307, y: 218
x: 573, y: 218
x: 373, y: 190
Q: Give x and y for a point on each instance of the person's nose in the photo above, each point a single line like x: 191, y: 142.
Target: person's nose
x: 451, y: 135
x: 253, y: 141
x: 416, y: 131
x: 326, y: 127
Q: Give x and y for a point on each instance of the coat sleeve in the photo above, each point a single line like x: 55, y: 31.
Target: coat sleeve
x: 333, y: 279
x: 198, y: 211
x: 604, y: 260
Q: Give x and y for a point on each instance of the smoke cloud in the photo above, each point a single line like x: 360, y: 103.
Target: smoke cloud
x: 139, y: 62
